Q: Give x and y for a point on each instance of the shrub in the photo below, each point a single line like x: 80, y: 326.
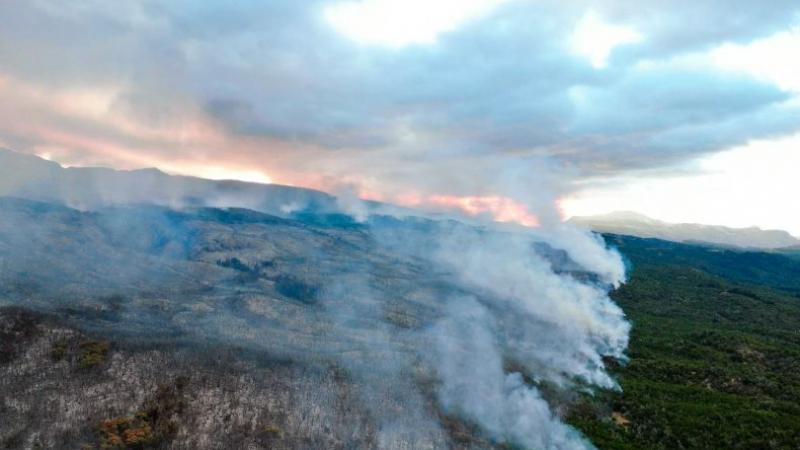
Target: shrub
x: 59, y: 350
x: 147, y: 428
x: 93, y: 353
x: 273, y: 431
x: 126, y: 432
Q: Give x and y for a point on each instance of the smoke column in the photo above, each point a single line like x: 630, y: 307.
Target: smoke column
x: 555, y: 326
x: 498, y: 310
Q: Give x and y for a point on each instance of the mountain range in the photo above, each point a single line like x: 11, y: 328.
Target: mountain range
x: 29, y: 176
x: 141, y: 310
x: 635, y: 224
x: 181, y: 313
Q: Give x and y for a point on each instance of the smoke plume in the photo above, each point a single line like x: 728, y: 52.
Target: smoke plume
x: 431, y: 318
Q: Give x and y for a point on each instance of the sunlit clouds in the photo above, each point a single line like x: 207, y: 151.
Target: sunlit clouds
x: 223, y: 173
x: 500, y: 209
x: 394, y: 24
x: 503, y: 109
x: 596, y: 39
x: 85, y: 128
x: 767, y: 58
x: 752, y: 185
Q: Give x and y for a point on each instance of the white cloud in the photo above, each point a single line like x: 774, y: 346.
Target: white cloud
x: 752, y: 185
x: 225, y: 173
x: 396, y: 23
x: 775, y: 59
x: 595, y: 39
x: 499, y: 107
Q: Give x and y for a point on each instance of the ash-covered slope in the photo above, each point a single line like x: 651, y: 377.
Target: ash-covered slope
x: 397, y: 333
x: 64, y: 389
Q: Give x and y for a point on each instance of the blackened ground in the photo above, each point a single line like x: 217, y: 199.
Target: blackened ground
x: 62, y: 388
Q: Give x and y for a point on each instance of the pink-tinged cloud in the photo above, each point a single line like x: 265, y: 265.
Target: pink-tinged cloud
x: 499, y: 209
x: 499, y: 116
x: 502, y: 209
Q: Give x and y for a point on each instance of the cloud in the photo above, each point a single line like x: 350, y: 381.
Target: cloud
x: 488, y: 108
x: 395, y: 24
x: 688, y: 26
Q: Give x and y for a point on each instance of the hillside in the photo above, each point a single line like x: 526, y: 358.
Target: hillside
x: 205, y: 327
x: 780, y: 270
x: 714, y: 358
x: 28, y: 176
x: 634, y: 224
x: 201, y: 327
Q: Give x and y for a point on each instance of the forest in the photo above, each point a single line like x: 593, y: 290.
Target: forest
x: 714, y: 358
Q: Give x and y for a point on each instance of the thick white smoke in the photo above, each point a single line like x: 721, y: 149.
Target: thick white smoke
x: 475, y: 387
x: 557, y: 326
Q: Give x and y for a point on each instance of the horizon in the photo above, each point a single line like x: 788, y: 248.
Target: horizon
x: 464, y: 212
x: 516, y: 109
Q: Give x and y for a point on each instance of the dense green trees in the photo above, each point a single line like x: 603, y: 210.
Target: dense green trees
x: 714, y: 361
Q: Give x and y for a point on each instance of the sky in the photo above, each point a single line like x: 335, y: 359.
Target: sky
x: 530, y: 111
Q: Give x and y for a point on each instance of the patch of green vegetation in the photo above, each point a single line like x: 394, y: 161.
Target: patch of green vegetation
x: 793, y: 252
x: 235, y: 264
x: 714, y: 363
x: 233, y: 216
x: 92, y: 353
x: 401, y: 319
x: 342, y: 221
x: 296, y: 289
x: 272, y: 431
x: 59, y: 350
x: 153, y: 425
x: 775, y: 269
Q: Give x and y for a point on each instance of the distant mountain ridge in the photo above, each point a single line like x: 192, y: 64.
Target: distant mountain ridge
x: 86, y: 188
x: 635, y: 224
x: 28, y: 176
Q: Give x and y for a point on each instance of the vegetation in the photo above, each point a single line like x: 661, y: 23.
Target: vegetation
x: 18, y: 327
x: 780, y: 270
x: 714, y: 363
x: 272, y: 431
x: 92, y: 353
x: 296, y: 289
x: 235, y: 264
x: 153, y: 425
x: 59, y: 350
x: 126, y: 432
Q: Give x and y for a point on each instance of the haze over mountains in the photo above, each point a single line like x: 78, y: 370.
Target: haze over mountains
x: 31, y: 177
x: 182, y: 313
x: 634, y: 224
x: 426, y: 332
